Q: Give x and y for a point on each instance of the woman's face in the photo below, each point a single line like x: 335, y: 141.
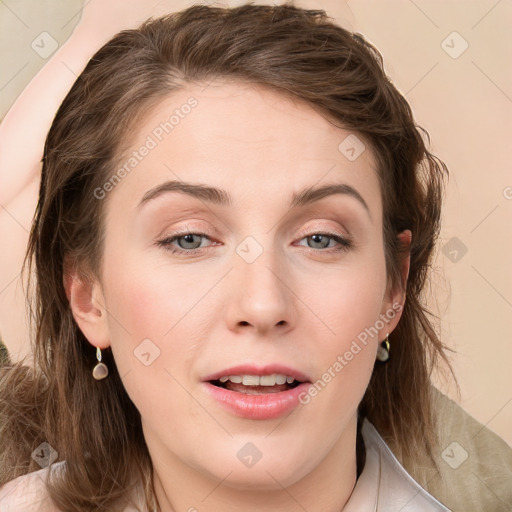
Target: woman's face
x: 220, y: 260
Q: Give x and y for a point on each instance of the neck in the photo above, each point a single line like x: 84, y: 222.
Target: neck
x: 179, y: 487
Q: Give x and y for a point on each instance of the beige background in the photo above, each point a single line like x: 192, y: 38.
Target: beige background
x: 464, y: 101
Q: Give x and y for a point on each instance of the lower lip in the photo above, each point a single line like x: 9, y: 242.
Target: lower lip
x: 258, y: 407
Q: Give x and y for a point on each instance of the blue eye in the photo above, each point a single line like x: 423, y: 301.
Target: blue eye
x: 191, y: 243
x: 323, y: 240
x: 187, y: 242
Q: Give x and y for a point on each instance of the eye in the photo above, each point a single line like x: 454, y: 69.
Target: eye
x: 186, y: 242
x: 191, y: 242
x: 323, y: 241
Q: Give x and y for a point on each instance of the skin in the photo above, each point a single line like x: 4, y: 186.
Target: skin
x: 23, y: 131
x: 298, y: 303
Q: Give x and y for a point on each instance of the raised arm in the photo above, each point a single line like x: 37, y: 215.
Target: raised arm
x: 22, y: 135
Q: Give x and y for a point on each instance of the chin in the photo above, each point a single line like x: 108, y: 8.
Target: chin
x: 261, y: 480
x: 270, y: 475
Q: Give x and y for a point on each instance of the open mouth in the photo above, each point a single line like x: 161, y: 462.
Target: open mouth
x: 256, y: 385
x: 255, y: 393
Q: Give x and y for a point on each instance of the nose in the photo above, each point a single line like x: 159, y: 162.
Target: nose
x: 261, y: 296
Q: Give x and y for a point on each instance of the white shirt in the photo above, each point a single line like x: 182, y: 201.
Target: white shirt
x: 383, y: 486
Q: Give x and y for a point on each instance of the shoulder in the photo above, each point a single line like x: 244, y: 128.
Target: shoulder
x: 474, y: 465
x: 27, y: 493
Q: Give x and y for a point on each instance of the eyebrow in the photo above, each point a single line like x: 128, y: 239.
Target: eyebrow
x: 221, y: 197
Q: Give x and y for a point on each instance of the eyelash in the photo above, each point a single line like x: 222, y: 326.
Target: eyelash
x: 344, y: 243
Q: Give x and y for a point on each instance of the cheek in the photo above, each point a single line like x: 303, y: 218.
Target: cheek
x: 148, y: 299
x: 147, y: 323
x: 348, y: 300
x: 344, y: 358
x: 347, y: 311
x: 140, y: 311
x: 152, y: 311
x: 135, y: 304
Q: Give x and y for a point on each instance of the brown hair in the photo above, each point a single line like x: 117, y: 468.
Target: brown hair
x: 93, y: 425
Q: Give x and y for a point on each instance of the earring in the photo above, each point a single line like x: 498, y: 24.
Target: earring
x: 100, y: 371
x: 383, y: 350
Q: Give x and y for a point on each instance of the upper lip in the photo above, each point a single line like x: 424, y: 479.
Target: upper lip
x: 251, y: 369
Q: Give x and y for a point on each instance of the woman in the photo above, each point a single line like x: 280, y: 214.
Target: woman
x: 235, y: 222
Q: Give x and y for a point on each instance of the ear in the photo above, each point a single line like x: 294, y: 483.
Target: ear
x: 393, y: 304
x: 87, y: 303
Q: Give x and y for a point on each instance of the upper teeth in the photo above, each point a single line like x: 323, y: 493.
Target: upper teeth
x: 255, y: 380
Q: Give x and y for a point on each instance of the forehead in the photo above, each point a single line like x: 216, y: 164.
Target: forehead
x: 247, y: 138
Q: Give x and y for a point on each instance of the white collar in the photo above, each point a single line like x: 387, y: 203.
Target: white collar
x: 384, y: 485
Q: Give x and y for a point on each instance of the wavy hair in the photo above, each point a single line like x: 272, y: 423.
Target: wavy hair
x: 94, y: 426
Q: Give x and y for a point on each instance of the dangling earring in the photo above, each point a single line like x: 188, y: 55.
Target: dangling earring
x: 100, y: 371
x: 383, y: 350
